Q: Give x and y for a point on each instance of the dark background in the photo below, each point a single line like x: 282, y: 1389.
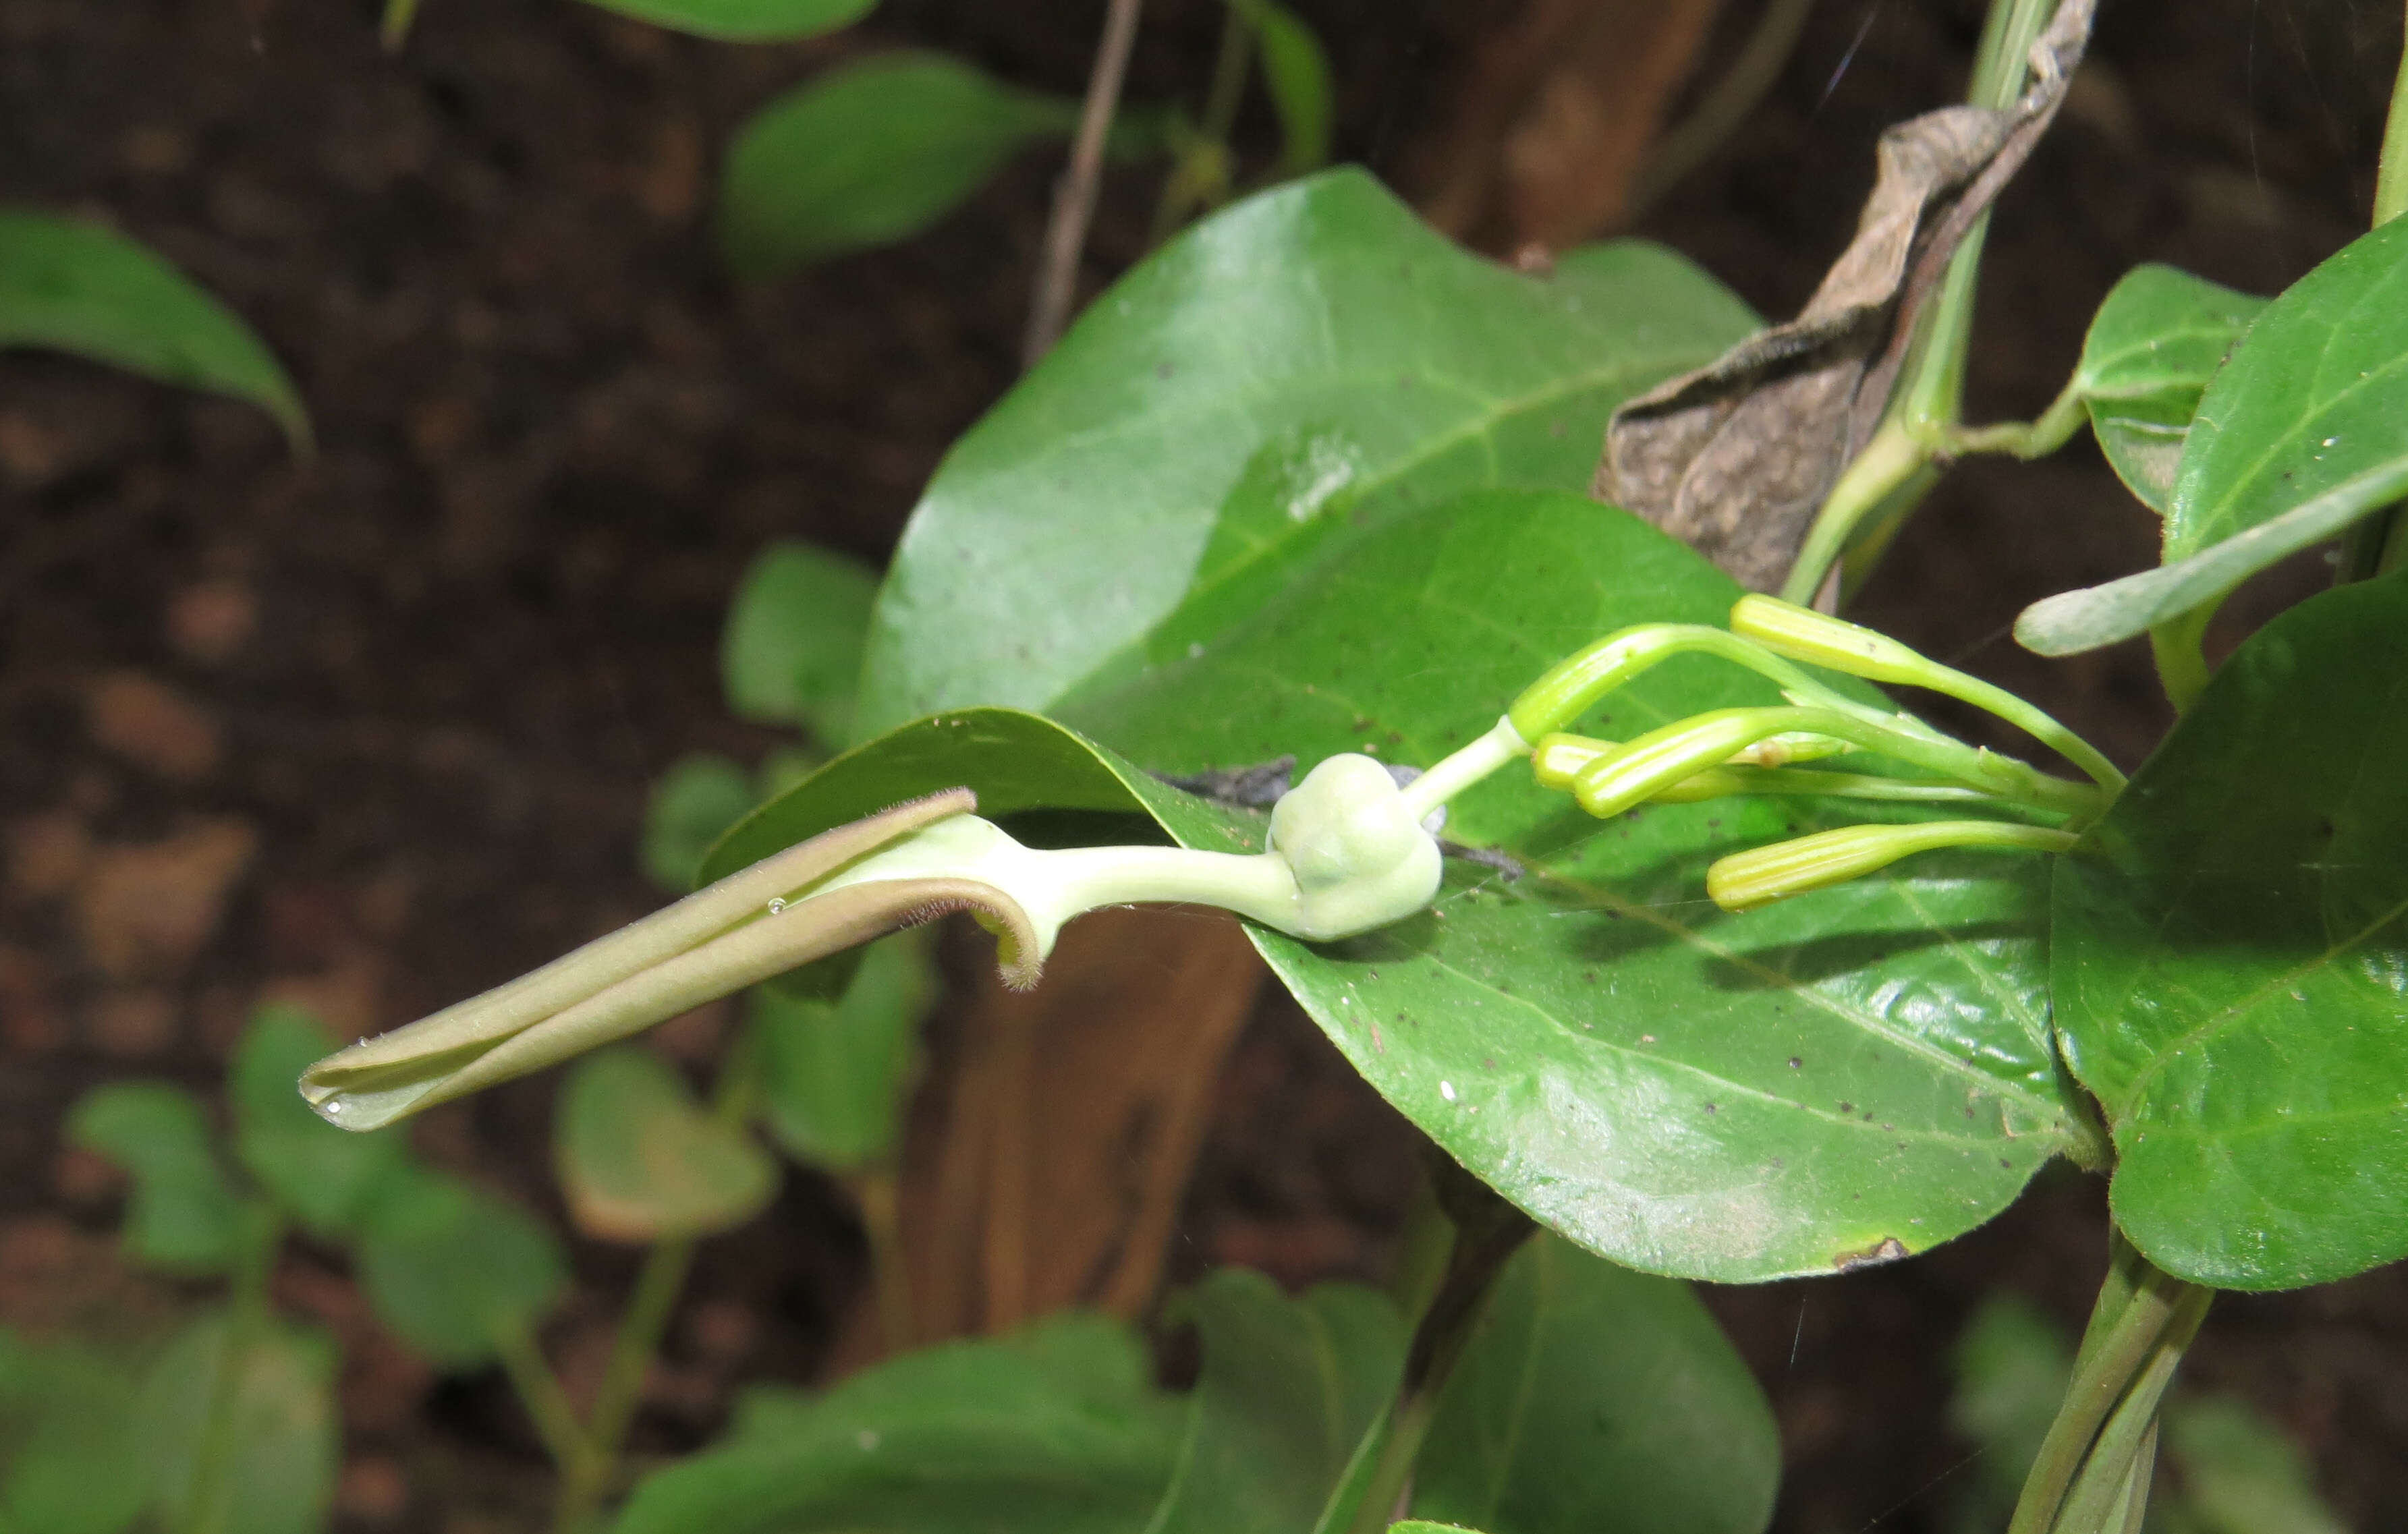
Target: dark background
x: 375, y: 731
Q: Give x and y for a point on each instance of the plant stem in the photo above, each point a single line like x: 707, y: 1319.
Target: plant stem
x: 2143, y: 1320
x: 1488, y: 1231
x: 1074, y: 200
x: 1183, y: 191
x: 874, y: 1193
x: 538, y: 1391
x: 2391, y: 180
x: 2182, y: 663
x: 2026, y: 439
x: 206, y: 1503
x: 586, y: 1479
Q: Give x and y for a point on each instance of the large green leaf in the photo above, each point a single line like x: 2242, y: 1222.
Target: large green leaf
x: 327, y: 1178
x: 1054, y: 1431
x: 836, y: 1075
x: 2231, y: 959
x: 869, y: 153
x: 183, y: 1213
x: 1288, y: 1389
x: 70, y: 1462
x: 456, y: 1272
x: 1852, y: 1075
x: 1308, y: 363
x: 791, y: 652
x: 1595, y: 1400
x: 2303, y: 431
x: 76, y: 287
x: 255, y: 1447
x: 2156, y: 342
x: 639, y: 1160
x: 744, y: 20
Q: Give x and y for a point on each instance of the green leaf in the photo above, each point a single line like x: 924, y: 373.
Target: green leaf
x: 69, y: 1460
x: 791, y: 653
x: 272, y: 1471
x: 2239, y: 1474
x: 1595, y: 1040
x: 324, y: 1177
x: 2156, y: 342
x: 692, y: 806
x: 2012, y: 1365
x: 2231, y: 959
x: 1296, y: 71
x: 1595, y: 1400
x: 1305, y: 365
x: 453, y: 1270
x: 76, y: 287
x: 1289, y: 1386
x: 184, y: 1214
x: 2303, y: 431
x: 641, y: 1161
x: 836, y: 1076
x: 1422, y: 1525
x: 1054, y: 1431
x: 744, y: 20
x: 869, y: 153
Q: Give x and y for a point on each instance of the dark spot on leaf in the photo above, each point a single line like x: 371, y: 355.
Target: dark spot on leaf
x: 1847, y: 1108
x: 1712, y: 1109
x: 1868, y: 1117
x: 1888, y: 1248
x: 1588, y: 976
x: 1164, y: 370
x: 1796, y: 1064
x: 2005, y: 1163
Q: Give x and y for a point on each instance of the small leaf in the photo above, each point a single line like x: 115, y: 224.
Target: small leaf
x: 72, y: 1464
x: 452, y: 1269
x: 324, y: 1177
x: 791, y: 653
x: 76, y: 287
x: 185, y: 1214
x: 744, y: 20
x: 869, y: 153
x: 2240, y: 1474
x: 2156, y: 342
x: 1296, y: 70
x: 836, y: 1076
x: 640, y: 1161
x: 691, y: 807
x: 1053, y: 1430
x: 1595, y: 1400
x: 274, y: 1467
x: 1288, y: 1388
x: 2230, y: 959
x: 2303, y: 433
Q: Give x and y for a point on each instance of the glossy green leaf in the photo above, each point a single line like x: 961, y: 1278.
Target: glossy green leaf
x: 2012, y: 1365
x: 1296, y: 72
x: 1595, y: 1400
x: 691, y: 807
x: 639, y: 1160
x: 2231, y: 959
x: 791, y: 653
x: 1301, y: 367
x: 744, y: 20
x: 183, y: 1213
x: 1054, y: 1431
x: 453, y: 1271
x: 2303, y: 431
x: 836, y: 1075
x: 69, y: 1460
x: 2239, y: 1474
x: 326, y: 1178
x: 70, y: 286
x: 869, y: 153
x: 1289, y: 1387
x: 1846, y: 1077
x: 272, y: 1471
x: 2155, y: 341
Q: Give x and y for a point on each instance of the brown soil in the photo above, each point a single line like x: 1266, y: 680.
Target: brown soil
x: 375, y: 731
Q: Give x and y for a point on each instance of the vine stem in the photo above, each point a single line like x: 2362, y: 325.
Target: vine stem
x: 585, y: 1479
x: 206, y: 1503
x: 1074, y: 200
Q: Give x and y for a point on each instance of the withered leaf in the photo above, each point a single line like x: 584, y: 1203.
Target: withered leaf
x: 1736, y: 457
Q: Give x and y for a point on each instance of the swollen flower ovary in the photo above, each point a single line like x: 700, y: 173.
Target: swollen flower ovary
x: 1359, y: 853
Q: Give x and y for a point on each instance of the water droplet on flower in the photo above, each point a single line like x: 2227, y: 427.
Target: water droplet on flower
x: 776, y: 904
